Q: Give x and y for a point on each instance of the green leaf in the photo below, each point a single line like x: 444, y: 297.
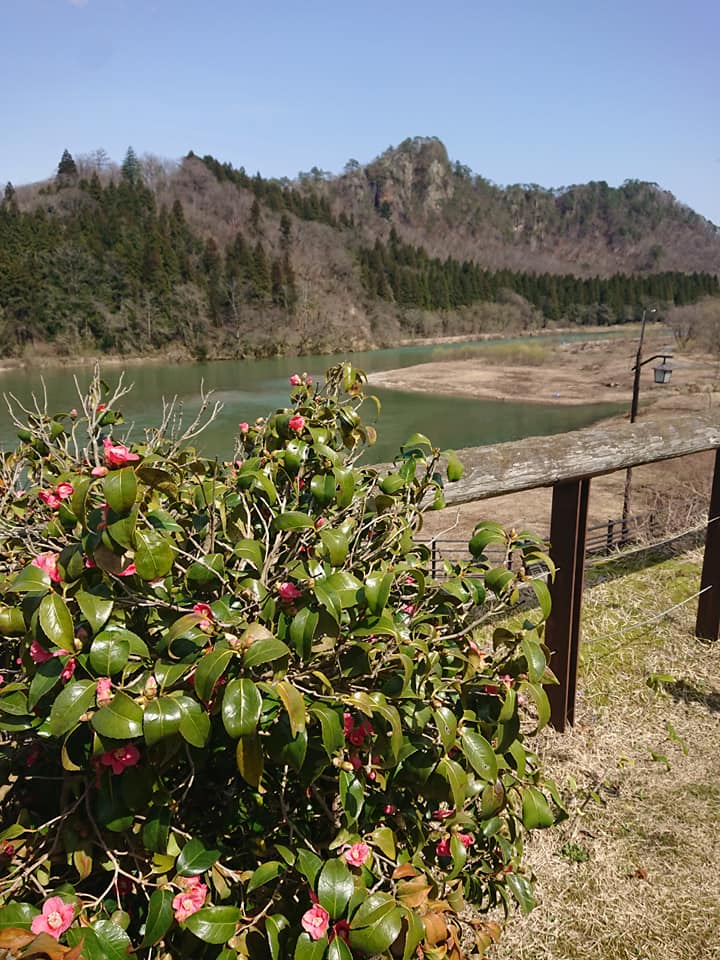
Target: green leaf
x: 241, y: 707
x: 384, y: 839
x: 333, y: 739
x: 161, y: 718
x: 309, y: 865
x: 339, y: 950
x: 274, y: 925
x: 109, y: 653
x: 264, y: 874
x: 209, y: 670
x: 207, y: 573
x: 47, y: 676
x: 336, y: 546
x: 446, y: 723
x: 376, y: 924
x: 535, y: 657
x: 294, y: 703
x: 96, y: 610
x: 194, y: 722
x: 391, y: 716
x: 480, y: 754
x: 536, y: 812
x: 377, y: 590
x: 156, y: 830
x: 345, y: 486
x: 543, y: 597
x: 456, y: 778
x: 121, y: 719
x: 214, y: 924
x: 335, y: 887
x: 264, y: 651
x: 70, y: 704
x: 302, y: 631
x: 455, y: 469
x: 56, y: 622
x: 486, y: 533
x: 120, y: 489
x: 31, y: 579
x: 249, y: 759
x: 196, y: 858
x: 252, y: 551
x: 292, y: 520
x: 12, y: 621
x: 308, y: 949
x: 157, y: 479
x: 322, y: 487
x: 91, y: 949
x: 17, y: 915
x: 521, y: 890
x: 159, y: 917
x: 113, y: 940
x: 329, y: 598
x: 154, y: 556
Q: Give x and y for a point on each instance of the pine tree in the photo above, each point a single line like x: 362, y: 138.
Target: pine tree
x: 66, y: 171
x: 131, y: 169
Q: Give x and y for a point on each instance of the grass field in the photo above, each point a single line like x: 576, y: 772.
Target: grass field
x: 634, y: 874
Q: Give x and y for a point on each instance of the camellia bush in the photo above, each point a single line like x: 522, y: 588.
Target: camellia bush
x: 239, y: 717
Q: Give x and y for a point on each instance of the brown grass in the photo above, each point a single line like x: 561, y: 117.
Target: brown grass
x: 634, y: 873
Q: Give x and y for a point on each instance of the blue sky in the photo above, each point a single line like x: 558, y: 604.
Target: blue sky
x: 552, y: 91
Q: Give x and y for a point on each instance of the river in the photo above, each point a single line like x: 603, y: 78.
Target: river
x: 252, y: 388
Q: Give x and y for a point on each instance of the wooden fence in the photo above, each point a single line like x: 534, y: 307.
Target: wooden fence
x: 567, y: 463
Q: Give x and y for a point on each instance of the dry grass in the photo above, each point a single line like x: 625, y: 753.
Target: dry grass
x: 634, y: 874
x: 523, y: 354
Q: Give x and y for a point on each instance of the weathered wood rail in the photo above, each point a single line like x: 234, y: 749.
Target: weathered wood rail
x: 567, y: 463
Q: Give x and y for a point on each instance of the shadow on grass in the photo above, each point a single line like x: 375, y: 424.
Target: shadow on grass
x: 681, y: 690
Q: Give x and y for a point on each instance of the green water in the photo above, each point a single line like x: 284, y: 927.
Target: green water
x: 252, y: 388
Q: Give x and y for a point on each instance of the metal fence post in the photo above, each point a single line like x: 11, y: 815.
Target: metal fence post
x: 708, y: 615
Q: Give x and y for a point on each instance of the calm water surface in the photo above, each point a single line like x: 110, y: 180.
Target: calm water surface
x: 252, y: 388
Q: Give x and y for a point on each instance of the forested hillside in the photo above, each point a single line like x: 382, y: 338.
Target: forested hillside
x: 201, y: 259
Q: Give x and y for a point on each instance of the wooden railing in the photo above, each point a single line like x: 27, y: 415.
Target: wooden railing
x: 567, y: 463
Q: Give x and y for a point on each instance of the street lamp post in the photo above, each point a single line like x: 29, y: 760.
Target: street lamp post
x: 666, y: 373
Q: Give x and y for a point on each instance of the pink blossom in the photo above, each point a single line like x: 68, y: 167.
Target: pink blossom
x: 64, y: 490
x: 443, y: 848
x: 289, y: 592
x: 117, y: 454
x: 2, y: 678
x: 356, y: 854
x: 348, y: 723
x: 39, y: 654
x: 297, y: 423
x: 49, y: 499
x: 103, y: 692
x: 90, y: 563
x: 308, y: 380
x: 7, y: 849
x: 98, y: 471
x: 474, y: 648
x: 355, y: 761
x: 315, y: 922
x: 190, y: 900
x: 443, y: 814
x: 320, y: 522
x: 466, y: 839
x: 243, y: 427
x: 356, y: 737
x: 55, y: 918
x: 389, y: 809
x: 407, y: 608
x: 120, y: 758
x: 129, y: 571
x: 73, y: 412
x: 100, y: 407
x: 204, y: 611
x: 295, y: 380
x: 49, y: 563
x: 69, y: 669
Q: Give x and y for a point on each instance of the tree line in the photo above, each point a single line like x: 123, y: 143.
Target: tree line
x: 409, y: 276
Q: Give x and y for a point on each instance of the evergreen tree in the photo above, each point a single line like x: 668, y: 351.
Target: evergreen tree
x: 66, y: 171
x: 131, y: 169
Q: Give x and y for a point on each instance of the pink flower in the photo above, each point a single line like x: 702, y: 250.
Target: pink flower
x: 64, y: 490
x: 356, y: 737
x: 474, y: 648
x: 48, y: 563
x: 103, y: 693
x: 315, y: 922
x: 100, y: 407
x: 466, y: 839
x: 129, y: 571
x: 2, y: 678
x: 120, y: 758
x: 295, y: 380
x: 443, y: 814
x: 308, y: 380
x: 443, y: 848
x: 190, y: 900
x: 289, y: 592
x: 320, y: 522
x: 98, y: 471
x: 389, y: 809
x: 407, y: 608
x: 357, y: 854
x: 55, y: 918
x: 117, y: 454
x: 243, y: 427
x: 39, y: 654
x: 204, y: 611
x: 73, y: 412
x: 49, y: 499
x: 68, y: 669
x: 348, y: 723
x: 297, y: 423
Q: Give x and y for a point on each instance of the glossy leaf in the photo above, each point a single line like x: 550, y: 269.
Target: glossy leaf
x: 46, y: 677
x: 264, y: 651
x: 214, y: 924
x: 249, y: 759
x: 264, y: 874
x: 161, y: 719
x: 120, y: 489
x: 536, y: 812
x: 194, y: 722
x: 480, y: 754
x: 56, y: 621
x: 121, y: 719
x: 109, y: 653
x: 335, y: 887
x: 241, y: 707
x: 376, y: 924
x: 333, y: 739
x: 196, y: 858
x: 70, y: 704
x: 113, y: 940
x: 294, y: 703
x: 159, y: 917
x: 308, y: 949
x: 154, y: 555
x: 209, y: 670
x: 31, y: 579
x: 292, y: 520
x: 96, y: 610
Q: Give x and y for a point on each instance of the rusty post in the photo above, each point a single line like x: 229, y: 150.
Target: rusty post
x: 708, y: 615
x: 567, y: 538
